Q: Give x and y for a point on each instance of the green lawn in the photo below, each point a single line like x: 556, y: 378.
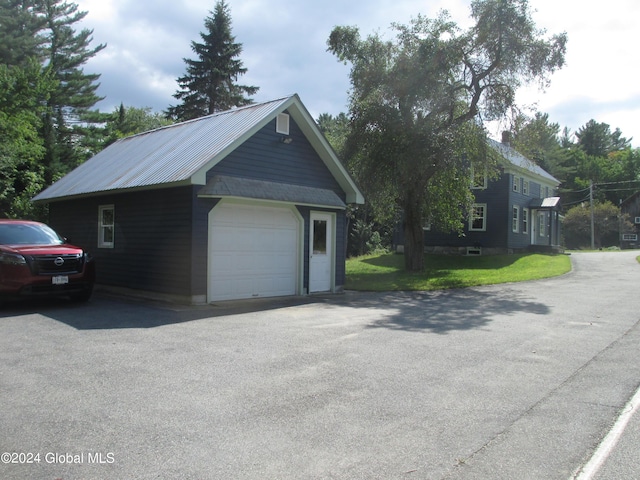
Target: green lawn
x: 386, y: 272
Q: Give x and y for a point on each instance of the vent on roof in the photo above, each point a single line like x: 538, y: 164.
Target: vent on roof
x: 282, y: 123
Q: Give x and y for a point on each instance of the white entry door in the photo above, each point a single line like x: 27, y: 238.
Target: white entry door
x: 320, y: 252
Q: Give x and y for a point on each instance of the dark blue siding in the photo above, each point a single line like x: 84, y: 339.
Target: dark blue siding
x: 200, y: 242
x: 518, y: 199
x: 495, y: 196
x: 153, y: 238
x: 265, y: 157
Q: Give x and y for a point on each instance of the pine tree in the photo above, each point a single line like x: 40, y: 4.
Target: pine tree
x: 66, y: 51
x: 209, y: 84
x: 21, y: 40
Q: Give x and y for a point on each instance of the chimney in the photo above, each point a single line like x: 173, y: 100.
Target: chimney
x: 506, y: 138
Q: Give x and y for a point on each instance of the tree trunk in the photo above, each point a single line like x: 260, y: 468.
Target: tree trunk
x: 413, y: 239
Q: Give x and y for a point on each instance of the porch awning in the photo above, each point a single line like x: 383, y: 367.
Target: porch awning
x: 228, y: 186
x: 549, y: 203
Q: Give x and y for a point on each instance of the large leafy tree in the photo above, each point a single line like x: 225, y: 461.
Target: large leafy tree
x: 209, y: 84
x: 607, y: 223
x: 23, y: 94
x: 417, y: 103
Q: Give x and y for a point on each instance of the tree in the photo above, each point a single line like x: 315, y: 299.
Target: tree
x: 538, y: 140
x: 597, y: 140
x: 65, y: 52
x: 21, y: 23
x: 209, y: 84
x: 127, y: 121
x: 417, y: 102
x: 607, y: 224
x: 23, y: 94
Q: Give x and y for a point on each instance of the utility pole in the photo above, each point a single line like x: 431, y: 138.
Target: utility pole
x: 593, y: 242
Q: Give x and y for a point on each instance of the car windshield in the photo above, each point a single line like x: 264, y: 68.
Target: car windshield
x: 28, y: 234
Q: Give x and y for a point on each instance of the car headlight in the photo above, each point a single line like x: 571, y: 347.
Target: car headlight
x: 12, y: 259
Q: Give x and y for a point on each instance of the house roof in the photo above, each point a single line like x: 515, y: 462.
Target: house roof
x: 181, y: 154
x: 521, y: 162
x: 545, y: 203
x: 228, y: 186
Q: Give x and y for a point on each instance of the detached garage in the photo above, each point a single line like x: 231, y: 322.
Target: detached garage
x: 240, y: 204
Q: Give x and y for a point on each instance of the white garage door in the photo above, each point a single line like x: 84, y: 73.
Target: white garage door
x: 253, y: 252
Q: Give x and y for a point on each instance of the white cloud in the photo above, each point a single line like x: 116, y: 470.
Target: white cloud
x: 285, y: 51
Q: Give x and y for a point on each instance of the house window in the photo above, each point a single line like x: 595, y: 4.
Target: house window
x: 516, y: 183
x: 629, y: 237
x: 478, y: 178
x: 515, y: 219
x: 525, y: 220
x: 637, y: 220
x: 282, y: 123
x: 478, y: 219
x: 106, y: 226
x: 525, y: 187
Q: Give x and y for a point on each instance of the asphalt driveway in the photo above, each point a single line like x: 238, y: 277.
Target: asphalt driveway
x: 509, y: 381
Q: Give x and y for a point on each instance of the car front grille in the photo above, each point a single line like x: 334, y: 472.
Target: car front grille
x: 56, y: 264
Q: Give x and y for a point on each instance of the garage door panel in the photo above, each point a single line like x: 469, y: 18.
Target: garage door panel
x: 253, y: 252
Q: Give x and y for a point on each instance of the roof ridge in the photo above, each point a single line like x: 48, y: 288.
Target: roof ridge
x: 205, y: 117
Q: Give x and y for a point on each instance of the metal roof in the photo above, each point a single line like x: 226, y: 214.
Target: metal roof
x: 520, y: 161
x: 542, y: 203
x: 181, y: 154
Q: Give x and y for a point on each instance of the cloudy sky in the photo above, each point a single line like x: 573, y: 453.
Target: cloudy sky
x: 284, y: 50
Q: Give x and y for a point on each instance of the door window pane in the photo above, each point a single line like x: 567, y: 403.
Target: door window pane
x: 319, y: 237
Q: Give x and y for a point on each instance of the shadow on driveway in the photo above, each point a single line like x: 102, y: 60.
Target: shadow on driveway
x: 436, y: 311
x: 447, y: 310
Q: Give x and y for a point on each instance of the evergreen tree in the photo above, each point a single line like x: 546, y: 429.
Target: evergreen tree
x: 597, y: 139
x: 66, y: 51
x: 21, y: 23
x: 209, y: 84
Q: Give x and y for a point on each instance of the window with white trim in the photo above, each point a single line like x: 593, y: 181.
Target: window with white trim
x: 629, y: 237
x: 516, y: 183
x: 525, y: 220
x: 478, y: 217
x: 106, y: 226
x: 282, y: 123
x: 525, y: 187
x: 515, y: 219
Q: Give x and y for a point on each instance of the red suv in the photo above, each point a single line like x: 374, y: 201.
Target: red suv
x: 36, y: 261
